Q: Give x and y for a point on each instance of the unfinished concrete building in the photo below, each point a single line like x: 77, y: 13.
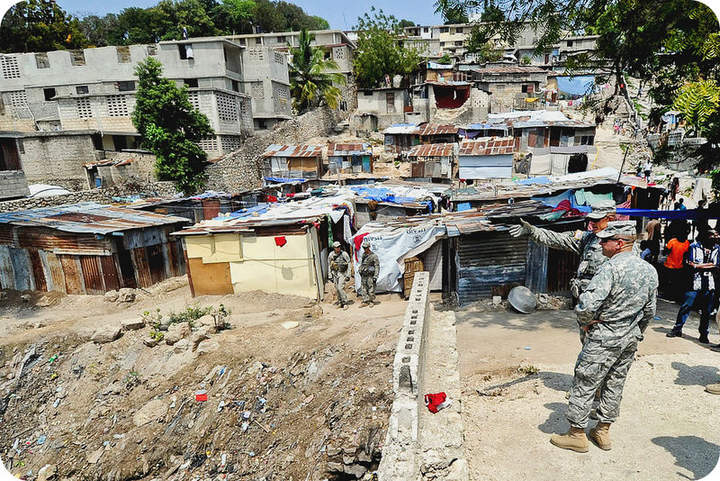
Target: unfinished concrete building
x: 90, y: 94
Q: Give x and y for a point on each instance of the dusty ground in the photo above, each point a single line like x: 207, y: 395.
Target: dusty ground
x: 317, y: 395
x: 668, y: 427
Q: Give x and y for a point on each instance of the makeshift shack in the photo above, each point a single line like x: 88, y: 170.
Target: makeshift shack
x: 433, y: 160
x: 293, y: 161
x: 400, y: 138
x: 87, y: 249
x: 486, y: 158
x: 437, y: 133
x: 280, y: 248
x: 350, y: 158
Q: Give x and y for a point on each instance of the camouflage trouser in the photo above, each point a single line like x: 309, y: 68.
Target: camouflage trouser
x: 600, y: 365
x: 339, y: 281
x: 367, y: 284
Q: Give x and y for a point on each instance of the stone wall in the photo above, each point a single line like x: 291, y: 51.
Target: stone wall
x: 242, y: 170
x: 13, y: 184
x: 104, y: 196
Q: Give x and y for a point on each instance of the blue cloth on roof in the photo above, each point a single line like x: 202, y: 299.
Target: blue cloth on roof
x: 568, y: 195
x: 463, y: 206
x: 689, y: 214
x: 535, y: 180
x: 580, y: 85
x: 258, y: 209
x: 282, y: 180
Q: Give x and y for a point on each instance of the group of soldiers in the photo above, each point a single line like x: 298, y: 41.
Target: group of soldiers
x: 340, y: 269
x: 616, y: 294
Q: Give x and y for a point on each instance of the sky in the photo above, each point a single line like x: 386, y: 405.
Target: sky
x: 341, y: 14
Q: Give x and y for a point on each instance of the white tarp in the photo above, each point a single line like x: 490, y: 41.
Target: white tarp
x: 392, y: 246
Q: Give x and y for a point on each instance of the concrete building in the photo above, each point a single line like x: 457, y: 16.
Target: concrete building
x: 511, y: 87
x: 89, y: 95
x: 12, y: 178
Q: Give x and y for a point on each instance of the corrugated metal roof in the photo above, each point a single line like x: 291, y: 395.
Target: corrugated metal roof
x: 508, y: 69
x: 487, y: 146
x: 432, y: 150
x: 438, y: 129
x: 349, y: 149
x: 88, y: 218
x: 303, y: 150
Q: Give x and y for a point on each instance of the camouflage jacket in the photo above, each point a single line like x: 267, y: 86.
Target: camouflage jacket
x: 370, y: 266
x: 622, y: 296
x: 339, y: 263
x: 586, y: 244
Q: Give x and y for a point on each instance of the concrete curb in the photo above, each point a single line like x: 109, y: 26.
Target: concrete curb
x: 398, y: 461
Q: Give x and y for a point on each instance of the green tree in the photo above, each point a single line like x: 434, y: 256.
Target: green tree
x: 380, y: 51
x: 234, y: 16
x: 39, y: 26
x: 170, y: 127
x: 452, y: 11
x: 101, y: 31
x: 480, y: 43
x: 699, y: 102
x: 406, y: 23
x: 311, y: 83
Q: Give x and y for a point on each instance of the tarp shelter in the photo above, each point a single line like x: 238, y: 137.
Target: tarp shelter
x: 575, y: 87
x: 294, y: 161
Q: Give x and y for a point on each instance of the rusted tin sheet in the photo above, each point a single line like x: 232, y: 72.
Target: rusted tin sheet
x: 7, y: 277
x: 156, y: 263
x: 142, y: 269
x: 210, y: 279
x: 72, y: 274
x: 37, y: 269
x: 211, y: 208
x: 143, y: 238
x: 22, y: 269
x: 53, y: 272
x: 110, y: 275
x: 49, y: 239
x: 92, y: 274
x: 127, y: 269
x: 6, y: 235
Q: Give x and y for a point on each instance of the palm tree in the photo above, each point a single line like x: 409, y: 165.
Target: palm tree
x: 311, y: 83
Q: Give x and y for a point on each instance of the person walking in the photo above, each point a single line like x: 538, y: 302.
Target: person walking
x: 614, y: 311
x: 369, y: 271
x: 702, y: 259
x: 339, y: 266
x: 675, y: 278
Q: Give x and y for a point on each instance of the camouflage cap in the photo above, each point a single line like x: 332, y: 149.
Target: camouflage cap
x: 599, y: 214
x: 620, y: 229
x: 365, y: 243
x: 336, y: 244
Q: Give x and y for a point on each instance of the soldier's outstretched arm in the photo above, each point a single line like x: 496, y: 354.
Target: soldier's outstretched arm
x: 566, y: 241
x: 593, y: 297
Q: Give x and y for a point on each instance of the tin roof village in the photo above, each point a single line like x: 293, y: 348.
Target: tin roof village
x: 228, y: 251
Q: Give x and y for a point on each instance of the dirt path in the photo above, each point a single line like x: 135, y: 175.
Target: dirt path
x: 668, y: 428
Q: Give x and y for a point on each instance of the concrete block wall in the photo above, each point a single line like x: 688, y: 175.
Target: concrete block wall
x: 58, y: 159
x: 399, y: 457
x: 13, y: 184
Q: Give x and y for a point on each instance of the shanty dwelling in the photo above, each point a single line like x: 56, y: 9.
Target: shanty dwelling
x: 434, y: 161
x: 382, y: 107
x: 121, y: 167
x: 400, y: 138
x: 486, y: 158
x: 511, y: 86
x: 350, y: 158
x: 270, y: 255
x: 293, y: 161
x: 437, y: 133
x: 87, y: 249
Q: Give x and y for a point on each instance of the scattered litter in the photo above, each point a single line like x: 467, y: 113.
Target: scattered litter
x: 246, y: 414
x: 41, y: 439
x: 289, y: 324
x: 56, y: 403
x: 437, y: 402
x: 245, y: 425
x: 527, y: 348
x: 53, y: 359
x: 221, y: 405
x: 201, y: 395
x: 657, y: 318
x: 260, y: 404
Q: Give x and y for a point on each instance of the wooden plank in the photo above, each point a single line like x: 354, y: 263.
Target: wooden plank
x: 72, y: 274
x: 54, y: 269
x: 142, y: 269
x: 156, y: 263
x: 209, y: 279
x: 7, y: 277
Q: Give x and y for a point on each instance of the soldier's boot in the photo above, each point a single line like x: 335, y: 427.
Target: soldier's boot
x: 600, y: 435
x: 574, y: 440
x: 713, y: 388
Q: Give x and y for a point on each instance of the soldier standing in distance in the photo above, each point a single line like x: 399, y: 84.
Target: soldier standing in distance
x: 369, y: 271
x: 614, y: 311
x: 339, y: 263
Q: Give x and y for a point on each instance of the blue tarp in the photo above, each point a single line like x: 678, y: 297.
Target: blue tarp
x: 282, y: 180
x: 382, y: 194
x: 534, y: 180
x: 556, y: 199
x: 259, y: 209
x: 580, y: 85
x: 463, y: 206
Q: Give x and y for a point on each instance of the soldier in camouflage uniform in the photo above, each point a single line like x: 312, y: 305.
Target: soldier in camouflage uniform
x: 369, y: 271
x: 339, y: 265
x: 614, y: 311
x: 586, y: 244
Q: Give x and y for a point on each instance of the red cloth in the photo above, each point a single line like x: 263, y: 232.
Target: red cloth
x: 357, y: 240
x: 291, y: 195
x: 566, y: 206
x: 280, y: 241
x: 432, y: 401
x: 271, y: 198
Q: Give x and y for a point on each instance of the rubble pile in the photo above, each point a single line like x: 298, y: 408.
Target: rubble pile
x: 115, y: 409
x: 548, y: 302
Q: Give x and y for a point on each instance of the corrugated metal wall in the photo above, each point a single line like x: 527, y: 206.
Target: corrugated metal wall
x: 486, y: 260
